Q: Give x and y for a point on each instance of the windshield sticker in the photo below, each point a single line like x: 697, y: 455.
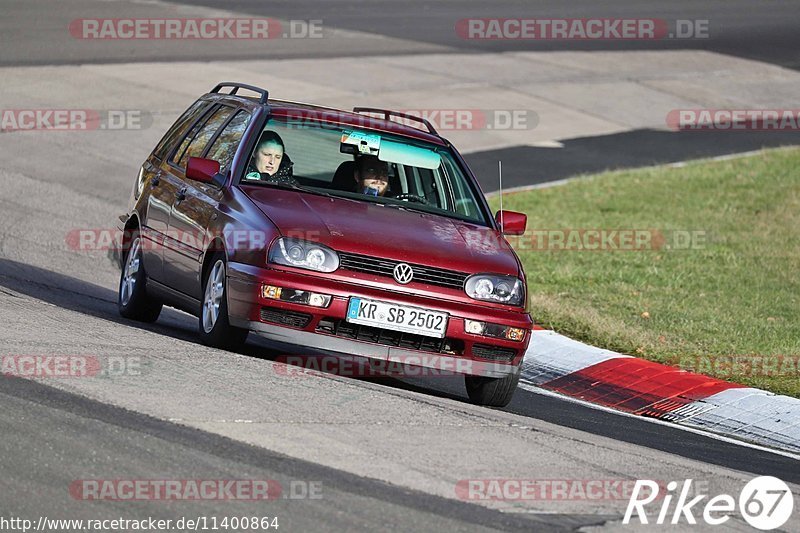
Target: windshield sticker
x: 363, y: 143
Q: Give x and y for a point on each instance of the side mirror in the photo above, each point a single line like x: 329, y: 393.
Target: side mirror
x: 204, y: 171
x: 513, y: 223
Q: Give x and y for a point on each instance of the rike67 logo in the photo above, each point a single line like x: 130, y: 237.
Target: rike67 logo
x: 765, y: 503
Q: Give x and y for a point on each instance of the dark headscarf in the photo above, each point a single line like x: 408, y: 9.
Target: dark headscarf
x: 284, y: 174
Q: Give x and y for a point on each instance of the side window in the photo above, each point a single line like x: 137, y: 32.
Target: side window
x: 465, y: 202
x: 225, y: 145
x: 176, y: 155
x: 195, y: 147
x: 179, y: 128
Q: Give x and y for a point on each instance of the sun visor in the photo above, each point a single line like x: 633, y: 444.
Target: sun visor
x: 405, y: 154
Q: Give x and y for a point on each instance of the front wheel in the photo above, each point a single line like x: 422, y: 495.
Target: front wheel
x: 215, y: 329
x: 133, y: 301
x: 491, y: 392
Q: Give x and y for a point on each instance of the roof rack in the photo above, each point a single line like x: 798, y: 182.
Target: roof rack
x: 388, y: 113
x: 236, y: 86
x: 304, y: 104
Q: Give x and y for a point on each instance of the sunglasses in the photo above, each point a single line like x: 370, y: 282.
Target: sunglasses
x: 376, y: 170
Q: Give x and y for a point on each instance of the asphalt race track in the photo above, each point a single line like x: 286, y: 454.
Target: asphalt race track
x: 384, y: 454
x: 34, y: 33
x: 766, y: 32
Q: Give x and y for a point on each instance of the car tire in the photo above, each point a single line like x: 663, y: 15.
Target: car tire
x: 132, y: 299
x: 215, y: 328
x: 491, y: 392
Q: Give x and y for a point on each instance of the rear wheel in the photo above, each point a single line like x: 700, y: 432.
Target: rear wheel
x: 215, y: 328
x: 491, y: 392
x: 132, y: 300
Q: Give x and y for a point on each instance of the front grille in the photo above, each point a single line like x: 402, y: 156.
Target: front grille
x: 285, y: 318
x: 385, y: 267
x: 495, y: 353
x: 387, y: 337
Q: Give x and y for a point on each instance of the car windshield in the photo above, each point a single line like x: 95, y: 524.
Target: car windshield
x: 364, y: 165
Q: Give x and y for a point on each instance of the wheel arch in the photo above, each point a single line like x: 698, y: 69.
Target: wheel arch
x: 131, y: 226
x: 215, y: 246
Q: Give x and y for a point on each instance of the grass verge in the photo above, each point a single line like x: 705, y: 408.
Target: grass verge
x: 714, y: 283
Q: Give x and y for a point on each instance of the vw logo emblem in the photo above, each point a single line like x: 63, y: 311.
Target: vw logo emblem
x: 403, y: 273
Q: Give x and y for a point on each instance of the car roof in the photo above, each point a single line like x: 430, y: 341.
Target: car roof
x: 318, y: 113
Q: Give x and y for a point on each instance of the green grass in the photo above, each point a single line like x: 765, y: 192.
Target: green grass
x: 735, y: 296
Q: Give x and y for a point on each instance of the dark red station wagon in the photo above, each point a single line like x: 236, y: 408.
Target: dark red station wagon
x: 325, y: 231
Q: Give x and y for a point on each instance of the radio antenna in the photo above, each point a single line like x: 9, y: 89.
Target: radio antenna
x: 500, y: 176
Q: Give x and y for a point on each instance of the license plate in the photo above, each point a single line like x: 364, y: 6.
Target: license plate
x: 397, y: 317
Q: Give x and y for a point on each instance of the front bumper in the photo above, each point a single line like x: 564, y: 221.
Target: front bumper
x: 325, y: 329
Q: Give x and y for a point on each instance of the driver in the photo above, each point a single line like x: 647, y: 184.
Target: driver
x: 270, y: 162
x: 371, y: 175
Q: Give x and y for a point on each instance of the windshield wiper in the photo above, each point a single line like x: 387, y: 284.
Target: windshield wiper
x: 404, y: 207
x: 281, y: 185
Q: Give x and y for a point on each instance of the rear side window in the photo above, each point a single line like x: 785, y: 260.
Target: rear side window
x: 179, y: 128
x: 224, y: 147
x: 194, y: 143
x: 176, y: 155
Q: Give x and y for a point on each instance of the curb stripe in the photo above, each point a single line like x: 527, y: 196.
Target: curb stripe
x: 635, y: 386
x: 551, y: 356
x: 752, y: 414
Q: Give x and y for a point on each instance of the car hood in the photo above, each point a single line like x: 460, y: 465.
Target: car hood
x: 372, y: 229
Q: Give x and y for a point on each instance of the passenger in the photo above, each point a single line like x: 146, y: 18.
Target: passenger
x: 372, y: 176
x: 270, y: 161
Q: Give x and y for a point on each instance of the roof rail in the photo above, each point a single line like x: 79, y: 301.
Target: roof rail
x: 304, y: 104
x: 236, y: 86
x: 388, y: 113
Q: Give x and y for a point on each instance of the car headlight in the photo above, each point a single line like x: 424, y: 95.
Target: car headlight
x: 495, y: 288
x: 303, y: 254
